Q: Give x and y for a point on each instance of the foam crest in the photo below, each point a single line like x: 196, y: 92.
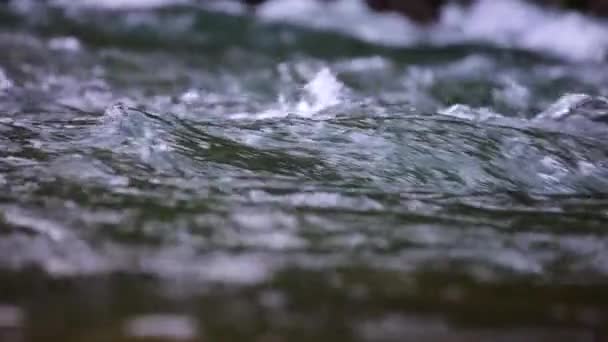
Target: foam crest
x: 515, y: 23
x: 339, y: 15
x: 321, y: 93
x: 574, y: 105
x: 505, y: 23
x: 465, y: 112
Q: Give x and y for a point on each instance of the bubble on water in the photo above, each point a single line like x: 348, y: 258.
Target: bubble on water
x: 318, y: 200
x: 190, y: 96
x: 162, y: 326
x: 64, y: 43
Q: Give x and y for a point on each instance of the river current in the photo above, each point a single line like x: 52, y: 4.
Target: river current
x: 196, y: 171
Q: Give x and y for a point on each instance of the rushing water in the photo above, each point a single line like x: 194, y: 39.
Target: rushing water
x: 191, y: 171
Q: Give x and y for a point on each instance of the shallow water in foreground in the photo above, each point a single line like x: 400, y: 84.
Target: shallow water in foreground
x: 189, y: 174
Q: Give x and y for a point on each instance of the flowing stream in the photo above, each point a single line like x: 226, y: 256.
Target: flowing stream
x: 192, y: 170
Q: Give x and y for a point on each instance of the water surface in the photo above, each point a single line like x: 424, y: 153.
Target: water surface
x: 259, y: 177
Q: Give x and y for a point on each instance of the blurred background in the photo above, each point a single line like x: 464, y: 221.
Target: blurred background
x: 302, y: 170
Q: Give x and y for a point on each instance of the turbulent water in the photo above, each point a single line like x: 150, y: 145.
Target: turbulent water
x: 192, y: 171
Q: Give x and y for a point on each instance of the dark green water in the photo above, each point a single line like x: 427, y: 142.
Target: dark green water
x: 256, y: 181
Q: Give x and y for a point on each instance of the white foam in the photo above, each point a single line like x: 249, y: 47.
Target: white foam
x: 519, y: 24
x: 64, y: 43
x: 345, y: 16
x: 322, y: 92
x: 563, y: 106
x: 505, y: 23
x: 121, y: 4
x: 578, y: 114
x: 465, y: 112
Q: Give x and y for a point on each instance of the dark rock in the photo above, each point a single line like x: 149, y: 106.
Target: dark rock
x: 253, y: 2
x: 423, y: 11
x: 595, y: 7
x: 428, y: 10
x: 599, y: 7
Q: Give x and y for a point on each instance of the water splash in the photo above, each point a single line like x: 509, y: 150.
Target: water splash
x: 323, y: 92
x: 580, y: 38
x: 577, y: 105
